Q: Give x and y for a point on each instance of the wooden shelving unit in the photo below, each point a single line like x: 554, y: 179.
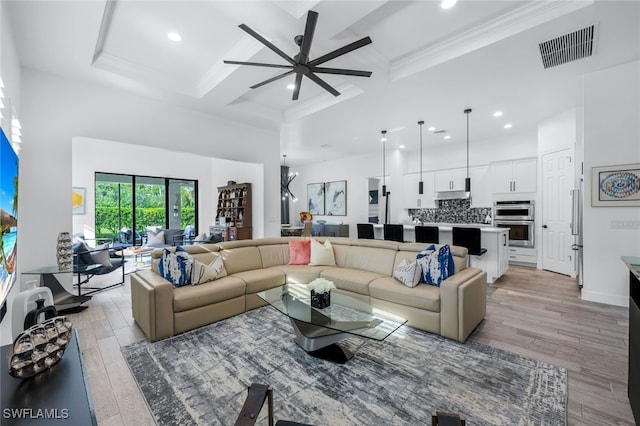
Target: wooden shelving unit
x: 234, y: 205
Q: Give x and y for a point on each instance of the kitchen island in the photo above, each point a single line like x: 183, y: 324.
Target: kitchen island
x: 496, y: 240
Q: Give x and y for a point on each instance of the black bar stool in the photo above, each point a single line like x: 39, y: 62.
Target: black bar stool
x: 365, y: 230
x: 427, y: 234
x: 394, y: 232
x: 469, y: 238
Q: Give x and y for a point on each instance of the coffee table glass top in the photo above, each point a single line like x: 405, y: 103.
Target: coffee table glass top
x: 346, y: 313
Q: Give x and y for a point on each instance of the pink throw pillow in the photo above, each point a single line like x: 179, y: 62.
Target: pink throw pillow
x: 299, y: 252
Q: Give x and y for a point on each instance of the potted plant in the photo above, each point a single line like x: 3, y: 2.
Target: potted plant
x: 321, y: 292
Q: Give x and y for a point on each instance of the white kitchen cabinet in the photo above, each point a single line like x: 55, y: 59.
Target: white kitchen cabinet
x: 481, y: 186
x: 496, y: 260
x: 523, y: 256
x: 413, y: 200
x: 516, y: 176
x: 450, y: 179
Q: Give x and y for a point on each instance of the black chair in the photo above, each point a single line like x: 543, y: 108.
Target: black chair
x: 253, y: 404
x: 469, y: 238
x: 91, y: 261
x: 393, y: 232
x: 427, y: 234
x: 365, y: 230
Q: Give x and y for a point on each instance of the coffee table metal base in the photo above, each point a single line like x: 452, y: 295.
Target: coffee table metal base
x: 321, y: 342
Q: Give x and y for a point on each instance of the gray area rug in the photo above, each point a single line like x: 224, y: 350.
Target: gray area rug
x: 201, y: 377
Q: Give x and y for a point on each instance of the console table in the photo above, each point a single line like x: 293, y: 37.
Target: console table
x: 59, y: 395
x: 633, y: 389
x: 62, y: 299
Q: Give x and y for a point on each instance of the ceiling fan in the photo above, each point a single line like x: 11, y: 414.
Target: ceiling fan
x: 300, y: 64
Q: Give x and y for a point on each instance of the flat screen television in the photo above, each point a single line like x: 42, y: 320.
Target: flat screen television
x: 8, y: 219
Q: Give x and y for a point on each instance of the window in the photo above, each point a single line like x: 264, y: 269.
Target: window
x: 126, y: 202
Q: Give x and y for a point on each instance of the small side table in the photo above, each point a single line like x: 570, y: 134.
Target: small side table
x: 61, y: 393
x: 62, y: 299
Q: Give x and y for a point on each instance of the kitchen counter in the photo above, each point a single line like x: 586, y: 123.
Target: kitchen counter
x: 496, y: 240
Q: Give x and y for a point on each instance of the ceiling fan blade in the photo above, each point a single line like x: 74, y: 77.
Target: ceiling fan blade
x: 296, y: 90
x: 320, y: 82
x: 307, y: 38
x: 267, y: 43
x: 277, y: 77
x: 257, y: 64
x: 341, y: 71
x: 341, y: 51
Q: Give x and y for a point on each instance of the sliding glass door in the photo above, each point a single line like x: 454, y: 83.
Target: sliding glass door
x: 128, y: 202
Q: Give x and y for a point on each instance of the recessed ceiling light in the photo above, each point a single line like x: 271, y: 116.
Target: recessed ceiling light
x: 291, y: 86
x: 431, y: 129
x: 401, y: 147
x: 447, y: 137
x: 447, y: 4
x: 497, y: 114
x: 508, y: 126
x: 173, y: 36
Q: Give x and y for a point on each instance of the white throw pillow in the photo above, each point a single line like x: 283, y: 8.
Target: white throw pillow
x: 408, y: 273
x: 101, y: 257
x: 202, y: 273
x: 155, y: 238
x: 322, y: 254
x: 200, y: 238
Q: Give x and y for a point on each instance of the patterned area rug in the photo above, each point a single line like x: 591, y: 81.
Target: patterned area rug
x: 201, y: 377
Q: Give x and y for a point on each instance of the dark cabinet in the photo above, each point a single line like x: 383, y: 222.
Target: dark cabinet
x: 633, y: 389
x: 329, y: 230
x: 234, y: 208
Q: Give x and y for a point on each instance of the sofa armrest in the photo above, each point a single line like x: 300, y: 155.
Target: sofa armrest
x: 463, y: 303
x: 152, y: 304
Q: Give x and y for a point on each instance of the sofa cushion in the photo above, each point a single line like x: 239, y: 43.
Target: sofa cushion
x: 191, y: 297
x: 436, y: 264
x: 354, y: 280
x: 241, y: 258
x: 422, y: 296
x: 408, y: 273
x: 299, y: 252
x: 298, y: 274
x: 261, y: 279
x: 322, y: 254
x: 375, y: 259
x: 203, y: 272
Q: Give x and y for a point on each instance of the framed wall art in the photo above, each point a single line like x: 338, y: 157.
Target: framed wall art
x: 335, y: 194
x: 315, y: 198
x: 615, y: 186
x: 78, y: 197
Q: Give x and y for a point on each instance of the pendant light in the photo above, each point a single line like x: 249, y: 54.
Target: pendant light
x: 421, y: 183
x: 285, y: 180
x: 384, y: 181
x: 467, y: 180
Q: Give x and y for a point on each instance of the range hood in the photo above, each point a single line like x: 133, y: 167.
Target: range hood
x: 452, y: 195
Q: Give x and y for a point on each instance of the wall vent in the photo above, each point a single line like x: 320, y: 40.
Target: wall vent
x: 567, y: 48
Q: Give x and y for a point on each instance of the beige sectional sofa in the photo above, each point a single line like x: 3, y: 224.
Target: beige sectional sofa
x: 364, y: 269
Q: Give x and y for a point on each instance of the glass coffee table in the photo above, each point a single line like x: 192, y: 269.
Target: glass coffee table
x: 318, y: 330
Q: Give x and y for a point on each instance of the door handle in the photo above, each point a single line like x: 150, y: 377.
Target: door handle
x: 545, y: 226
x: 514, y: 186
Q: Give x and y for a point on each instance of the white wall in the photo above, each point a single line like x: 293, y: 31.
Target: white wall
x: 611, y: 136
x: 9, y: 70
x: 124, y: 158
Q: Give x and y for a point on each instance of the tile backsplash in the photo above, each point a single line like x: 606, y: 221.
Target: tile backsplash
x: 452, y: 211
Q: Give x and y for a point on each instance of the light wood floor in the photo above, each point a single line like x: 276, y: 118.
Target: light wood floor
x: 534, y: 313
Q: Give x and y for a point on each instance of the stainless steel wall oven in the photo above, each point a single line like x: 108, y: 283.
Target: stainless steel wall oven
x: 519, y: 217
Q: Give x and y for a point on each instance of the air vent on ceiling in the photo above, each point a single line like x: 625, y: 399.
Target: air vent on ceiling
x: 567, y: 48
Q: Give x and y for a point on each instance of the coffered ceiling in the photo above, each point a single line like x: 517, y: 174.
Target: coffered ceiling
x: 428, y: 63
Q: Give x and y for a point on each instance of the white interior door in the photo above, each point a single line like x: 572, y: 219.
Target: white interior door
x: 557, y: 182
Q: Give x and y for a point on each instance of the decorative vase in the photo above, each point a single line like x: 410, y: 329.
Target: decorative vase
x: 64, y: 252
x: 33, y: 317
x: 320, y: 300
x: 39, y: 347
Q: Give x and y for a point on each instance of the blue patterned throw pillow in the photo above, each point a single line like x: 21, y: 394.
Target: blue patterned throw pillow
x: 436, y: 264
x: 176, y: 267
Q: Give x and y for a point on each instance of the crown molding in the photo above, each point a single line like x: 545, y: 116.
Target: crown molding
x: 507, y: 25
